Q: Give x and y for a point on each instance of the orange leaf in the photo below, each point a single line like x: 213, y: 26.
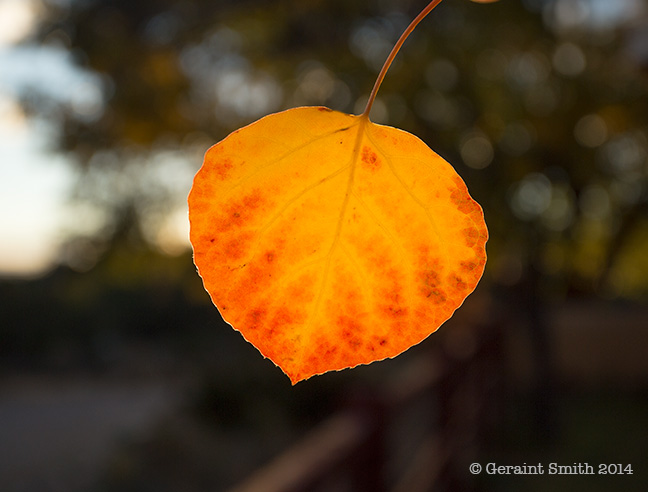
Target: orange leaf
x: 329, y: 241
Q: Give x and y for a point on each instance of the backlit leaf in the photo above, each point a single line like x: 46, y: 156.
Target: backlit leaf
x: 329, y: 241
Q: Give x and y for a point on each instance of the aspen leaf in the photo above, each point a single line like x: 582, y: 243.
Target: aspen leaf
x: 329, y: 241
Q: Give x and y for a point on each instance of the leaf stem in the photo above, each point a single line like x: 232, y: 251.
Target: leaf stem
x: 393, y: 53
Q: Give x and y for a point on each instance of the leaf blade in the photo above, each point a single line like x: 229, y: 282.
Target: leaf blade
x: 326, y: 244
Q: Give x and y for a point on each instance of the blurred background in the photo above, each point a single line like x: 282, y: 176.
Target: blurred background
x: 117, y: 373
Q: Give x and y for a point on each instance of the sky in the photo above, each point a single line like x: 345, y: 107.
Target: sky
x: 35, y: 181
x: 32, y: 187
x: 31, y: 182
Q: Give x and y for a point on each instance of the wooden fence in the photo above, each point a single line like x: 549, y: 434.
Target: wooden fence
x: 417, y: 434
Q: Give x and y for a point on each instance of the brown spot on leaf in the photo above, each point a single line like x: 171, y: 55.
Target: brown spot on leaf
x: 462, y: 200
x: 471, y: 234
x: 468, y: 266
x: 222, y: 168
x: 395, y: 305
x: 256, y: 318
x: 349, y: 323
x: 281, y: 320
x: 457, y: 283
x: 369, y: 159
x: 351, y: 338
x: 236, y: 247
x: 241, y: 211
x: 325, y: 348
x: 429, y: 277
x: 217, y: 165
x: 437, y: 296
x: 473, y: 269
